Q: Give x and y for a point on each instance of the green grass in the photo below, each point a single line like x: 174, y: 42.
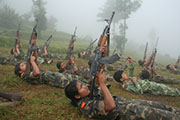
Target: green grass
x: 43, y: 102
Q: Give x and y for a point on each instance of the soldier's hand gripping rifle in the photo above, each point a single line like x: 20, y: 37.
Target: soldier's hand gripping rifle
x: 145, y: 52
x: 32, y: 47
x: 153, y: 57
x: 46, y: 44
x: 71, y: 45
x: 17, y: 41
x: 99, y: 59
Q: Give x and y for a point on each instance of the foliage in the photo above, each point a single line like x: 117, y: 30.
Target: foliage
x: 39, y: 12
x: 123, y: 9
x: 52, y: 23
x: 8, y: 17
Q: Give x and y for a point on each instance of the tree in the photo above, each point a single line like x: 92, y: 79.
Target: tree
x: 8, y: 17
x: 39, y: 12
x: 123, y: 9
x: 52, y: 23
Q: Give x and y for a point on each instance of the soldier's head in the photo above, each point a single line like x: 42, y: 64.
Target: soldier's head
x: 60, y: 65
x: 141, y: 62
x: 13, y: 51
x: 119, y: 76
x: 76, y: 90
x: 20, y: 68
x: 168, y: 67
x: 144, y: 74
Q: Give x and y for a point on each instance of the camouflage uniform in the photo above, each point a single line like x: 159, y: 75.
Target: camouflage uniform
x: 55, y: 79
x: 176, y: 71
x: 146, y: 86
x: 52, y: 56
x: 164, y: 79
x: 127, y: 109
x: 21, y: 56
x: 8, y: 60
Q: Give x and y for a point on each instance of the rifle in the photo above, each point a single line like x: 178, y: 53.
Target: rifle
x: 47, y: 43
x: 90, y: 46
x: 99, y: 59
x: 71, y: 44
x: 32, y: 47
x: 17, y: 41
x: 11, y: 96
x: 145, y: 51
x: 178, y: 60
x: 154, y: 56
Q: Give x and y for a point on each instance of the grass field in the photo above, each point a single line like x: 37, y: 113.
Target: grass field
x: 43, y: 102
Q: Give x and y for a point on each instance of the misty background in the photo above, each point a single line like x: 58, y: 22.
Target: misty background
x: 159, y: 17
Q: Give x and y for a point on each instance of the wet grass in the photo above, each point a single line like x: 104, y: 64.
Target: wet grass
x: 43, y: 102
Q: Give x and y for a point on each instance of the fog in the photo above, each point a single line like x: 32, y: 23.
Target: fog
x: 160, y: 16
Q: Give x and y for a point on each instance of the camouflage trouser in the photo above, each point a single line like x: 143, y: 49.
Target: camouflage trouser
x: 8, y: 60
x: 157, y: 88
x: 176, y: 72
x: 54, y: 56
x: 60, y: 80
x: 164, y: 79
x: 145, y: 110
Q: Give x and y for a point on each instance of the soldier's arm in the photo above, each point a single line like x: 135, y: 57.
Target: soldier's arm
x: 45, y: 51
x: 75, y: 69
x: 36, y: 70
x: 138, y: 88
x: 109, y: 103
x: 17, y: 49
x: 131, y: 66
x: 147, y: 63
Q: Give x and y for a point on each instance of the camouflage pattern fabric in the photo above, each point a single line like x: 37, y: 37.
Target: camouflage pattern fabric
x: 54, y: 79
x: 131, y: 70
x: 83, y: 71
x: 52, y: 56
x: 165, y: 79
x: 8, y: 60
x: 145, y: 86
x: 127, y: 109
x: 21, y: 56
x: 176, y: 71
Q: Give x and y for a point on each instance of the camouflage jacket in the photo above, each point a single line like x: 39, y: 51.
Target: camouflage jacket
x: 8, y: 60
x: 21, y: 56
x: 55, y: 79
x: 95, y: 108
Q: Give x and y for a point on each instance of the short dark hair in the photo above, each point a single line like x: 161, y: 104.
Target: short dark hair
x: 12, y: 53
x: 118, y: 75
x: 17, y: 69
x: 58, y: 65
x: 168, y: 67
x: 141, y: 62
x: 144, y: 74
x: 71, y: 91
